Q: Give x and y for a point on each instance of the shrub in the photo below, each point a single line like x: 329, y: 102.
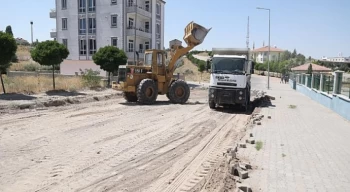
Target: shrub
x: 91, y: 78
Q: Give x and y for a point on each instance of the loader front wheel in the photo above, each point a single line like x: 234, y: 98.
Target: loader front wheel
x: 179, y: 92
x: 130, y: 97
x: 147, y: 92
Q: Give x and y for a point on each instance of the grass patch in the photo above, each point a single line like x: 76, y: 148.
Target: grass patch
x: 258, y: 145
x: 40, y: 83
x: 292, y: 106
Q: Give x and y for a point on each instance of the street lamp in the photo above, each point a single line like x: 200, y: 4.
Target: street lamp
x: 268, y: 58
x: 31, y: 25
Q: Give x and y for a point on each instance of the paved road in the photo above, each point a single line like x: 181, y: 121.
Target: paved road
x: 304, y: 149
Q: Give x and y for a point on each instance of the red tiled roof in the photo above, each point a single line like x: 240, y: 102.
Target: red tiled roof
x: 266, y: 48
x: 314, y: 68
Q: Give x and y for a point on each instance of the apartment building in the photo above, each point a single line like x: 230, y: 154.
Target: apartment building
x: 86, y: 25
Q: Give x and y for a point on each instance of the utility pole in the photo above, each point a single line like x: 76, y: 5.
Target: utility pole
x: 31, y: 26
x: 268, y: 58
x: 248, y: 34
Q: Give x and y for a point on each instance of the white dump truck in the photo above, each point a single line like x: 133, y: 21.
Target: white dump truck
x: 231, y: 70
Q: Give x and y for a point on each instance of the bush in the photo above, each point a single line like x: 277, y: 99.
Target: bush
x: 91, y: 78
x: 31, y: 67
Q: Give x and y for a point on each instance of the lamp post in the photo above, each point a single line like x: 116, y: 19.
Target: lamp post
x: 31, y: 26
x: 268, y: 57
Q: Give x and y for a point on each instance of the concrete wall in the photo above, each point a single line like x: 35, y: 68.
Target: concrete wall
x: 337, y: 103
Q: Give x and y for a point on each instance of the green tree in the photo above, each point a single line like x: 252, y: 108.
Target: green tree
x: 50, y: 53
x: 294, y: 54
x: 109, y: 58
x: 9, y: 30
x: 201, y: 68
x: 8, y: 48
x: 309, y: 69
x: 286, y: 55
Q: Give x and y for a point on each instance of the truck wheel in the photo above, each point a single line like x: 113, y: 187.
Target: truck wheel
x: 212, y: 105
x: 130, y: 97
x: 147, y: 92
x: 179, y: 92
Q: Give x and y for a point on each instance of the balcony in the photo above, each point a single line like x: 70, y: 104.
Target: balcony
x: 140, y: 32
x: 53, y: 13
x: 142, y: 10
x: 53, y: 33
x: 130, y: 55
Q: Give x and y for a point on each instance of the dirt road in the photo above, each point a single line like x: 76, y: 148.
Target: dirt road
x: 114, y: 146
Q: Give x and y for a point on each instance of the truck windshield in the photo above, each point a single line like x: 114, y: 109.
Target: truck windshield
x: 228, y: 65
x: 148, y: 59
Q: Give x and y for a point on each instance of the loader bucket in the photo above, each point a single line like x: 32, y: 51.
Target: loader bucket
x: 195, y: 34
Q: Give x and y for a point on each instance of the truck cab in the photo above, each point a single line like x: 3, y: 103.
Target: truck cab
x: 230, y: 76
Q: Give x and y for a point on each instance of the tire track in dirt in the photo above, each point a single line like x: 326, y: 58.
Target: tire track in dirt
x: 88, y: 162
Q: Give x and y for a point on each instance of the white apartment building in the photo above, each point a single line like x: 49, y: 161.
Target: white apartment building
x: 84, y: 26
x: 260, y: 55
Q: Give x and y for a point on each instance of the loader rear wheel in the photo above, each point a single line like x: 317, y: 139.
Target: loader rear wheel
x: 179, y: 92
x: 130, y: 97
x: 147, y: 92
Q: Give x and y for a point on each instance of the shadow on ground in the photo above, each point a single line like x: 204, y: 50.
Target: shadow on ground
x: 16, y: 97
x: 63, y: 93
x: 261, y: 102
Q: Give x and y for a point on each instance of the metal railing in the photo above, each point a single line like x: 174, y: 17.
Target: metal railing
x: 139, y: 29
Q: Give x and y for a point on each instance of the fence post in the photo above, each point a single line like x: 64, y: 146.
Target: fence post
x: 312, y: 81
x: 321, y: 82
x: 338, y: 76
x: 307, y: 79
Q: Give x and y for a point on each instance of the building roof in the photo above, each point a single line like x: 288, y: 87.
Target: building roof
x: 315, y: 67
x: 266, y: 49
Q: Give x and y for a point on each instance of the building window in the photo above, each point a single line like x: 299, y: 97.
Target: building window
x: 82, y: 47
x: 92, y: 25
x: 114, y: 41
x: 147, y: 45
x: 92, y: 5
x: 114, y: 20
x: 131, y: 23
x: 64, y: 4
x: 158, y: 45
x: 82, y: 6
x: 131, y: 46
x: 65, y: 42
x: 82, y: 26
x: 141, y: 48
x: 158, y: 28
x: 64, y: 24
x: 130, y: 3
x: 147, y: 6
x: 92, y: 46
x: 158, y: 8
x: 113, y: 2
x: 147, y: 27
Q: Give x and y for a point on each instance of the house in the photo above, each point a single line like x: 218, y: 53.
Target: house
x: 84, y: 26
x: 315, y: 68
x: 260, y: 55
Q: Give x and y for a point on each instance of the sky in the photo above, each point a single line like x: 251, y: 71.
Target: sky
x: 313, y: 27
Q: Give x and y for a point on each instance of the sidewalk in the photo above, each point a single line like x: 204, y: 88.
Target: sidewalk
x: 304, y: 149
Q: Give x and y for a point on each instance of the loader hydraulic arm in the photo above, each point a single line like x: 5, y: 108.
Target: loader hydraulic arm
x: 194, y: 36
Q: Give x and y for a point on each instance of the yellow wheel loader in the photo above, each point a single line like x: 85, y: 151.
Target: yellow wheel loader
x: 143, y: 83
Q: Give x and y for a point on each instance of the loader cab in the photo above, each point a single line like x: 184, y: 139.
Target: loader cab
x: 156, y: 59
